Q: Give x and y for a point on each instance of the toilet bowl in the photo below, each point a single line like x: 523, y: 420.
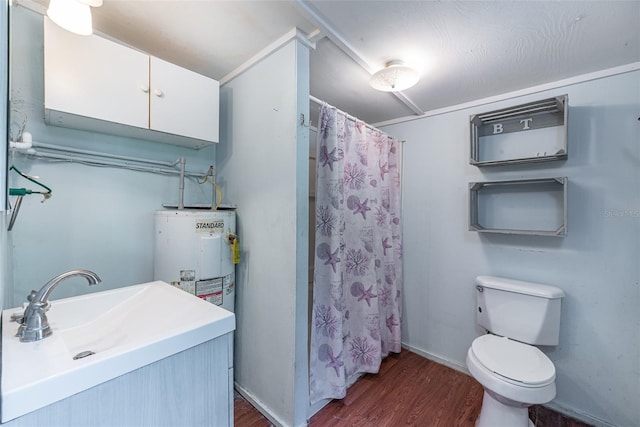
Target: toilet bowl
x: 514, y: 376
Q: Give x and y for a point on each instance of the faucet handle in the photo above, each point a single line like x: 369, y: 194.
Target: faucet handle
x: 17, y: 317
x: 32, y: 295
x: 43, y: 306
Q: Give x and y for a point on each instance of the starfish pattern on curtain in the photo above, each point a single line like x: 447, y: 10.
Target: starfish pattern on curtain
x: 356, y: 316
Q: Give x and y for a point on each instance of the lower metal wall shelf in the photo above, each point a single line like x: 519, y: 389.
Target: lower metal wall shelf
x: 528, y: 206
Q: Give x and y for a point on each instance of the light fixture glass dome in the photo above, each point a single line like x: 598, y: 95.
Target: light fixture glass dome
x: 395, y: 77
x: 73, y: 15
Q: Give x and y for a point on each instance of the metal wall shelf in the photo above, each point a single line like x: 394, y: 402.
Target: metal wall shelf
x: 528, y: 206
x: 526, y: 133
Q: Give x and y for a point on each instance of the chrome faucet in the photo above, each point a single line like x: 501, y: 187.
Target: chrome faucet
x: 34, y: 324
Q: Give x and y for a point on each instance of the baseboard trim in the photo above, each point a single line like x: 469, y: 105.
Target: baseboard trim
x: 437, y: 358
x: 317, y: 407
x: 580, y: 416
x: 260, y: 407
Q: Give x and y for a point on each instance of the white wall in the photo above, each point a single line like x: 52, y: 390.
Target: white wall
x: 263, y: 167
x: 98, y: 218
x: 598, y: 359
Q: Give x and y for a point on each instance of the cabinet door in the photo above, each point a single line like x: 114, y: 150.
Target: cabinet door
x: 94, y: 77
x: 183, y: 102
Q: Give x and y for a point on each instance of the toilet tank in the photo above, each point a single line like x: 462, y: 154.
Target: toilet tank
x: 524, y: 311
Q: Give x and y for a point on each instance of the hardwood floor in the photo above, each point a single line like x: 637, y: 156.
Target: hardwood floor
x: 245, y: 415
x: 409, y: 390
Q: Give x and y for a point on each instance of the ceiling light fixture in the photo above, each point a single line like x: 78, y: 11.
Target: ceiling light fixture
x: 73, y: 15
x: 394, y: 77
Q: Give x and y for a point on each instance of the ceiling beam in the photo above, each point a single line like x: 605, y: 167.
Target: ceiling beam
x: 327, y: 29
x: 315, y: 35
x: 332, y: 34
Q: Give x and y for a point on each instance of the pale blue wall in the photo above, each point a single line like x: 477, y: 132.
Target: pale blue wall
x: 598, y: 359
x: 98, y: 218
x: 4, y: 77
x: 263, y: 166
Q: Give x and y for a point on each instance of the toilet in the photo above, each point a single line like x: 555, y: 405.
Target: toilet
x: 515, y: 375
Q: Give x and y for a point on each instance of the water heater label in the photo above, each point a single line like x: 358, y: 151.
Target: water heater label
x: 210, y: 290
x: 209, y: 226
x: 215, y: 298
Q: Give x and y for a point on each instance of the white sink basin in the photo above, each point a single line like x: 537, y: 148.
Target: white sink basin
x: 126, y: 328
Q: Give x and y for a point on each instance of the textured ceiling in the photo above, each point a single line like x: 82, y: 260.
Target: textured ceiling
x: 473, y: 50
x: 210, y: 37
x: 464, y: 50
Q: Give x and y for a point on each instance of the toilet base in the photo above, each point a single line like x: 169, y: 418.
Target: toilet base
x: 497, y: 414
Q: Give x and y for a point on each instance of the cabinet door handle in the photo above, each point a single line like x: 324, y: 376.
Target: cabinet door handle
x: 144, y: 88
x: 158, y: 93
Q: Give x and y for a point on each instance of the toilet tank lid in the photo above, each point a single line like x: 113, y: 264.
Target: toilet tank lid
x: 520, y: 286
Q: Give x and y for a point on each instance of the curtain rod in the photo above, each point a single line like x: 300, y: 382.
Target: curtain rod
x: 350, y: 117
x: 355, y: 119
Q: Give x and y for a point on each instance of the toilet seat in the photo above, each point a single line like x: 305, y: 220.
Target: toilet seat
x: 513, y: 390
x: 515, y: 362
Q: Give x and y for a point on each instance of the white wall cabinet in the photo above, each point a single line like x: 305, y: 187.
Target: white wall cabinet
x: 183, y: 102
x: 95, y: 84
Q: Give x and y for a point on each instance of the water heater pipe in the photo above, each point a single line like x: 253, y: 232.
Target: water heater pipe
x: 14, y: 214
x: 181, y: 193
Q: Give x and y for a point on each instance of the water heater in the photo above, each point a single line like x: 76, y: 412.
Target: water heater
x: 194, y: 252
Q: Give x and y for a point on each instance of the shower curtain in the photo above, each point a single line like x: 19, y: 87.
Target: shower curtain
x: 356, y: 312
